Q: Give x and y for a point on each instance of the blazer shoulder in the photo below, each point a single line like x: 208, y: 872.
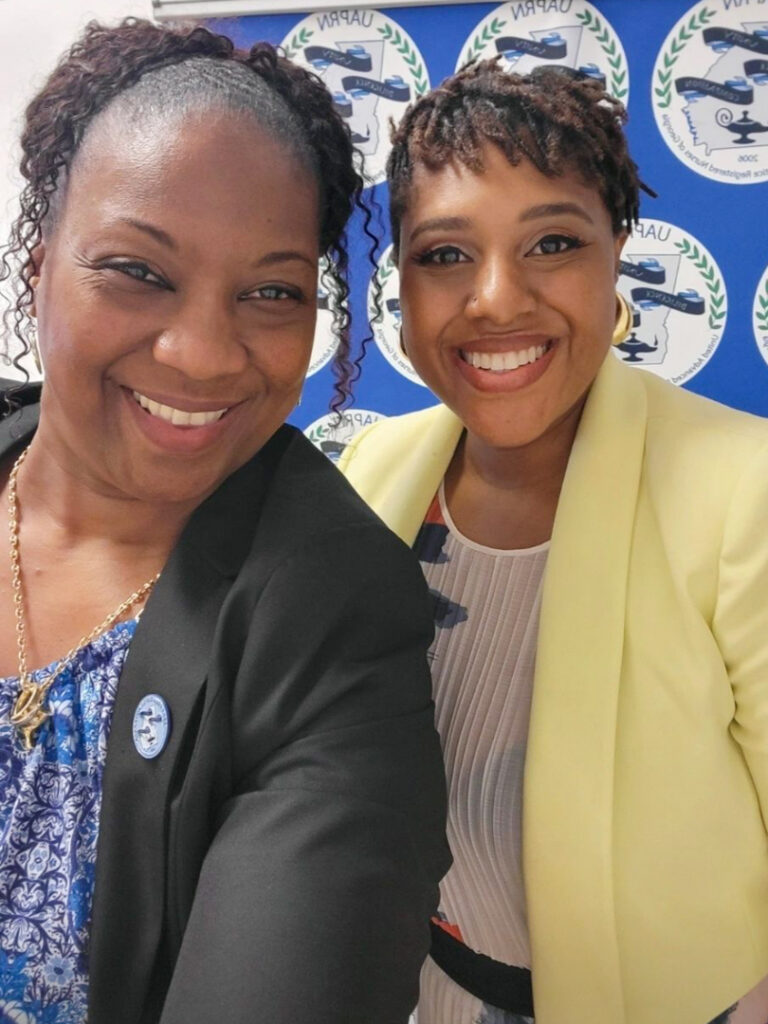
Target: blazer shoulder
x: 307, y: 497
x: 702, y: 424
x: 19, y: 412
x: 393, y: 435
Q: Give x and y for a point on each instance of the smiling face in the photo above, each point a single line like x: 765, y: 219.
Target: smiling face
x: 507, y: 294
x: 176, y: 305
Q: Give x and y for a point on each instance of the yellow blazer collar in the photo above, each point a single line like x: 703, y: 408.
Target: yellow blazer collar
x: 568, y: 797
x: 411, y: 457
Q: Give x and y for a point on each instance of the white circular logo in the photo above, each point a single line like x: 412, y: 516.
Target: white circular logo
x: 678, y: 301
x: 331, y: 433
x: 710, y: 91
x: 760, y: 315
x: 386, y: 321
x: 151, y: 726
x: 372, y: 69
x: 570, y: 34
x: 325, y: 341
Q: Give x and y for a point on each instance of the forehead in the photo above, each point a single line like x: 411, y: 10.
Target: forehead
x: 500, y: 190
x: 214, y: 169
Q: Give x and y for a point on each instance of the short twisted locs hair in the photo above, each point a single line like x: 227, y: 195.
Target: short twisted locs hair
x: 141, y: 71
x: 555, y: 118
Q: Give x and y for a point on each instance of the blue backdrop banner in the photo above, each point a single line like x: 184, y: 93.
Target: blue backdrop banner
x: 694, y: 77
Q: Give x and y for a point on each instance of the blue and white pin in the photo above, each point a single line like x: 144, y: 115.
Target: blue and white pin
x: 151, y: 726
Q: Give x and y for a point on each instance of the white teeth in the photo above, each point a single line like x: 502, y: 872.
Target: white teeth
x: 500, y: 362
x: 178, y: 417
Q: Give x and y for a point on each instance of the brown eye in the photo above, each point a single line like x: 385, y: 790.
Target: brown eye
x: 442, y: 256
x: 554, y: 245
x: 138, y: 271
x: 275, y: 293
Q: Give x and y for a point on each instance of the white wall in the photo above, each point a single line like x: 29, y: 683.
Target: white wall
x: 33, y: 34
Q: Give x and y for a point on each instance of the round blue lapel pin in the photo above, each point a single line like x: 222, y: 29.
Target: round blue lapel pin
x: 151, y: 726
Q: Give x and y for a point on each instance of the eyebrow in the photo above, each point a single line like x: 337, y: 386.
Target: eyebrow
x: 555, y: 210
x: 440, y: 224
x: 284, y: 256
x: 157, y: 233
x: 532, y: 213
x: 279, y: 256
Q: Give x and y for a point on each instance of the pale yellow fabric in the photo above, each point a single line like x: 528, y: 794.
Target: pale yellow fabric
x: 645, y: 852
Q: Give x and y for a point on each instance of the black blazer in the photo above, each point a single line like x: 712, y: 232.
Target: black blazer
x: 278, y: 863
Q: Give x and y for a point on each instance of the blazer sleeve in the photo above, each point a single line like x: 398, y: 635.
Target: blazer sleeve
x: 740, y: 622
x: 314, y: 899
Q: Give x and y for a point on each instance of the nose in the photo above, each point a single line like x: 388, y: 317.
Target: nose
x: 501, y: 292
x: 202, y: 340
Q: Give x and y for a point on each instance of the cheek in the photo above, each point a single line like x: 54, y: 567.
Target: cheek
x: 424, y: 304
x: 282, y: 357
x: 591, y: 304
x: 72, y: 328
x: 64, y: 344
x: 604, y: 311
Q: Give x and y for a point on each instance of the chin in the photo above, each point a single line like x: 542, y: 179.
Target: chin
x: 180, y: 485
x: 512, y: 432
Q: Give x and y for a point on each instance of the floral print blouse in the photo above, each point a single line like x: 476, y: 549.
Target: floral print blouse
x: 50, y: 801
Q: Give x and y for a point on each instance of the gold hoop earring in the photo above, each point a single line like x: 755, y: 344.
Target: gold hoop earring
x: 623, y: 320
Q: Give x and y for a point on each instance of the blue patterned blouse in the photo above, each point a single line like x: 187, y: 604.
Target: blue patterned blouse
x: 50, y: 799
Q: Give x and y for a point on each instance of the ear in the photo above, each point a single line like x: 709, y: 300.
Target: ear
x: 618, y: 244
x: 36, y: 258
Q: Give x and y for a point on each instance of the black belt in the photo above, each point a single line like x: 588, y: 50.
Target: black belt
x: 503, y: 986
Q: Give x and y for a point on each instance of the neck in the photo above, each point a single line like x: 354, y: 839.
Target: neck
x: 506, y: 498
x: 57, y: 488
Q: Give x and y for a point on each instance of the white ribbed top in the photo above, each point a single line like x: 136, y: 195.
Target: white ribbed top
x: 482, y: 665
x: 487, y: 613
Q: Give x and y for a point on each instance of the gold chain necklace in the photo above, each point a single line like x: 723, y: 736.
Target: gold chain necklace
x: 29, y: 711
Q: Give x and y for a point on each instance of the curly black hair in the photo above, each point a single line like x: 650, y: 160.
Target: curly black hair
x: 106, y: 62
x: 559, y: 120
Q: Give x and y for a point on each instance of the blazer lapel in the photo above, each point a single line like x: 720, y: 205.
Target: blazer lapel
x: 568, y: 800
x: 169, y: 656
x: 412, y: 456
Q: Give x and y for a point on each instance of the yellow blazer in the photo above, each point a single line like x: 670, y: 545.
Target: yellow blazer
x: 646, y: 780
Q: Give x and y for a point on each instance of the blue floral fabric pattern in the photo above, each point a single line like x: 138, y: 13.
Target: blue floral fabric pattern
x: 50, y: 803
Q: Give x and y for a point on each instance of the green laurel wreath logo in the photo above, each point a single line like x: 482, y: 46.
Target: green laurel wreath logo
x: 711, y: 279
x: 761, y: 313
x: 483, y: 39
x: 670, y: 56
x: 298, y: 42
x: 318, y: 433
x: 618, y: 75
x: 415, y: 66
x: 386, y: 269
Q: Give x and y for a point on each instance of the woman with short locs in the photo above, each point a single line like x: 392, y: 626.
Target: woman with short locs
x: 225, y: 801
x: 595, y: 542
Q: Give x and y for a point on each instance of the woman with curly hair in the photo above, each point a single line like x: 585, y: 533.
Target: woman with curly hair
x: 221, y: 794
x: 595, y: 541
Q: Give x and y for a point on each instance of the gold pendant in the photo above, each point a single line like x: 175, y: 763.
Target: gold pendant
x: 28, y: 713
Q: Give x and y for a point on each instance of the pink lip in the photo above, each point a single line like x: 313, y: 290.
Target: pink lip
x: 186, y: 440
x: 504, y: 380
